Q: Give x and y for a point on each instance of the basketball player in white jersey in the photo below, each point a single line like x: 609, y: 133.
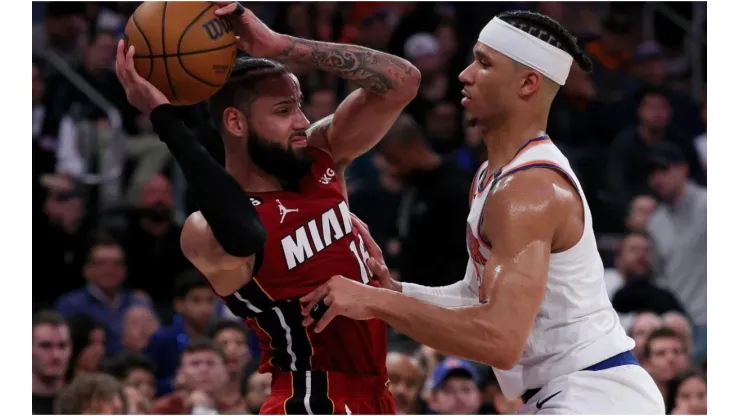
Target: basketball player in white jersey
x: 533, y: 303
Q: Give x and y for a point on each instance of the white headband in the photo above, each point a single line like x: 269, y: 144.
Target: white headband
x: 526, y: 49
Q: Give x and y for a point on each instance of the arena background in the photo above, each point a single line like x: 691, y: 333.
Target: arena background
x: 102, y: 179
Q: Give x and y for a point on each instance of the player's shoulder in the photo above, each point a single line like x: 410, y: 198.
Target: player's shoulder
x: 532, y: 193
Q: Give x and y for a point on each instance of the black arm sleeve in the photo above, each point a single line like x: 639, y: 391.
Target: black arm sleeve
x: 224, y: 204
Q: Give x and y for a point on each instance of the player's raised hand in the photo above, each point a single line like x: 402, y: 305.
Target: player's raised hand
x: 343, y: 297
x: 254, y: 37
x: 375, y: 263
x: 139, y: 92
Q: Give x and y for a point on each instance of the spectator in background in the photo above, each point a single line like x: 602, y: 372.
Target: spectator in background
x: 51, y: 349
x: 495, y: 402
x: 91, y: 394
x: 62, y: 31
x: 195, y: 307
x: 628, y: 165
x: 135, y: 403
x: 687, y: 394
x: 60, y: 240
x: 678, y: 229
x: 139, y: 324
x: 136, y: 371
x: 682, y: 326
x: 153, y: 243
x: 455, y: 390
x: 433, y: 208
x: 103, y: 296
x: 642, y: 326
x: 443, y: 127
x: 45, y: 124
x: 637, y: 292
x: 406, y: 381
x: 700, y: 142
x: 257, y: 390
x: 205, y: 376
x: 612, y: 57
x: 231, y: 337
x: 322, y: 102
x: 88, y: 345
x: 641, y: 208
x: 665, y: 356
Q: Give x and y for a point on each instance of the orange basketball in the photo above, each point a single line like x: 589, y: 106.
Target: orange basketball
x: 182, y: 48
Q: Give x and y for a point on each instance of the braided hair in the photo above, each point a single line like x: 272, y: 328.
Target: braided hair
x: 550, y: 31
x: 241, y: 88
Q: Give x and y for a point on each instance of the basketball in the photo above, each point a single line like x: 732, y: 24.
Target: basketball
x: 182, y: 48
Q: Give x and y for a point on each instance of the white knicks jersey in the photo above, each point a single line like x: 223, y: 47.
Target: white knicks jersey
x: 576, y: 326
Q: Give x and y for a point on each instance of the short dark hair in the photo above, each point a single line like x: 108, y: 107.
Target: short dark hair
x: 202, y: 344
x: 86, y: 387
x: 123, y: 364
x: 652, y: 90
x: 240, y: 90
x: 549, y: 30
x: 225, y: 324
x: 189, y: 280
x: 101, y: 238
x: 48, y: 317
x: 662, y: 332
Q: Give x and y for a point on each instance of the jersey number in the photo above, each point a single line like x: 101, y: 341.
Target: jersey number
x: 362, y: 256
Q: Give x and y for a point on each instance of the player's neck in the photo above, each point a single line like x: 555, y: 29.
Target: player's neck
x: 248, y: 175
x: 45, y: 386
x: 504, y: 140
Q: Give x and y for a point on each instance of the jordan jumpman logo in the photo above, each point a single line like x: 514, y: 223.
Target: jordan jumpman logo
x: 284, y: 211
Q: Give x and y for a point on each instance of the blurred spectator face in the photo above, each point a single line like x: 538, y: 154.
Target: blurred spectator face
x: 139, y: 324
x: 101, y: 53
x: 634, y: 256
x: 323, y: 103
x: 441, y: 122
x: 38, y: 84
x: 198, y: 306
x: 666, y: 357
x: 457, y: 396
x: 425, y: 52
x: 653, y: 71
x: 204, y: 370
x: 51, y: 350
x: 156, y: 198
x: 447, y: 39
x: 106, y: 267
x: 136, y: 403
x: 682, y: 326
x: 406, y: 381
x: 654, y: 112
x: 258, y: 389
x: 65, y: 28
x: 691, y: 397
x: 63, y: 206
x: 669, y: 183
x: 233, y: 343
x: 375, y: 30
x: 641, y: 209
x: 142, y: 381
x: 644, y: 324
x: 297, y: 20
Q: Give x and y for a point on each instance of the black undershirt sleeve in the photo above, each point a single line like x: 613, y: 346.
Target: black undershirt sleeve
x: 222, y: 201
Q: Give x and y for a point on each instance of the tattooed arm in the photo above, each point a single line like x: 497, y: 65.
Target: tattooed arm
x: 387, y: 84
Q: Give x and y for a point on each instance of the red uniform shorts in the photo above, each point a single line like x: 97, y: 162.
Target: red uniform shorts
x: 326, y: 393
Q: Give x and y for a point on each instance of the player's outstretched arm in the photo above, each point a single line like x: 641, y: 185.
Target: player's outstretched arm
x: 521, y: 217
x: 232, y: 218
x: 458, y: 294
x: 387, y: 83
x: 226, y: 273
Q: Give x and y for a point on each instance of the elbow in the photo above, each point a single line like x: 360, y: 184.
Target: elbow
x: 503, y: 359
x: 410, y: 82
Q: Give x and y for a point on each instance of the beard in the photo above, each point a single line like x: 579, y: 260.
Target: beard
x: 287, y: 166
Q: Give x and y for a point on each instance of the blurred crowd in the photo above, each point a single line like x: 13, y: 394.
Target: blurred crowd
x: 124, y: 324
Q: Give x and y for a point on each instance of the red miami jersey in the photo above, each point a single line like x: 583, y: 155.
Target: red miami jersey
x: 310, y: 238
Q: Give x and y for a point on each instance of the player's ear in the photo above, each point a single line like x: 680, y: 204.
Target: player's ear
x: 530, y: 82
x: 235, y: 123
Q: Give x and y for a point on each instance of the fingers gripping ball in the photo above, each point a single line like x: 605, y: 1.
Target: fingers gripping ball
x: 182, y: 48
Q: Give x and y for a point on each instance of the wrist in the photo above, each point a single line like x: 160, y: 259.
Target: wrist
x: 281, y: 44
x: 378, y: 301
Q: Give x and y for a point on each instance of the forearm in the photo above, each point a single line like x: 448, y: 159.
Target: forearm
x: 224, y: 204
x: 464, y: 333
x: 456, y: 295
x: 375, y: 71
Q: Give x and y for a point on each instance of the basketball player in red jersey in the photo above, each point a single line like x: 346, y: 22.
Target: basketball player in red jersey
x: 275, y: 224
